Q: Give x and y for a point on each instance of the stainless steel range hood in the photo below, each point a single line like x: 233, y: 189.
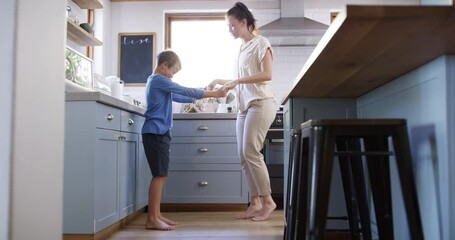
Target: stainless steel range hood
x: 293, y: 28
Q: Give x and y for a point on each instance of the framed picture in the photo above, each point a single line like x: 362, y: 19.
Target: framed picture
x: 78, y: 69
x: 136, y: 57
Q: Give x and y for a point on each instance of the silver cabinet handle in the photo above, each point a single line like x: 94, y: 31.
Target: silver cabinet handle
x: 110, y: 117
x: 202, y: 183
x: 202, y: 128
x: 130, y: 121
x: 202, y: 150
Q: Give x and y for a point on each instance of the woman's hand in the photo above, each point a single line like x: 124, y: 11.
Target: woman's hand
x: 230, y: 85
x: 212, y: 84
x: 215, y: 82
x: 220, y: 92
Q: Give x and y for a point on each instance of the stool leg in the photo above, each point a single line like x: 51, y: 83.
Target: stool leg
x: 322, y: 146
x: 360, y: 188
x: 379, y: 171
x: 348, y: 187
x: 293, y: 185
x: 301, y: 198
x: 404, y: 164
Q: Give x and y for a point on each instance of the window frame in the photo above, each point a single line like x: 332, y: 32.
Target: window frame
x: 170, y: 17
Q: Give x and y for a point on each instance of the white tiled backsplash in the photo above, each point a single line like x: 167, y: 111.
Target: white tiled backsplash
x: 287, y: 63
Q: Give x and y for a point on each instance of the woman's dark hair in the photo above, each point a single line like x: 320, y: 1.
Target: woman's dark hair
x: 240, y: 12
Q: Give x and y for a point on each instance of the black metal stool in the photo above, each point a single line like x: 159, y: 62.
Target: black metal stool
x: 295, y: 210
x: 294, y: 227
x: 319, y: 139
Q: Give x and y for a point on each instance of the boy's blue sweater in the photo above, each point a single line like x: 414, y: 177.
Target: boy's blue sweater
x: 160, y: 92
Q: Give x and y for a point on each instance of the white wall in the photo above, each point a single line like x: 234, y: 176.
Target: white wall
x: 38, y: 116
x: 149, y: 17
x: 7, y: 24
x: 102, y: 54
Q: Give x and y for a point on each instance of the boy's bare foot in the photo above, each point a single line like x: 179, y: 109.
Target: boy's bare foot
x: 168, y: 221
x: 266, y: 210
x: 158, y: 225
x: 250, y: 212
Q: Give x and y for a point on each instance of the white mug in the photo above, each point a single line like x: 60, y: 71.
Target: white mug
x: 117, y: 89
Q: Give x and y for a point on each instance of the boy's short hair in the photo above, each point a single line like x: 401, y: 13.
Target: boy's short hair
x: 170, y: 57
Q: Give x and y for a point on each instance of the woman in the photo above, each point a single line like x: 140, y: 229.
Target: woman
x: 257, y: 108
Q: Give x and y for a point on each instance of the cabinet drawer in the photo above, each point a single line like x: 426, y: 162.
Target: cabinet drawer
x: 186, y: 128
x: 131, y: 122
x: 204, y: 152
x: 205, y: 183
x: 107, y: 117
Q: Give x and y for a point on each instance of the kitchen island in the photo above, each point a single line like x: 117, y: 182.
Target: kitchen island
x: 390, y: 62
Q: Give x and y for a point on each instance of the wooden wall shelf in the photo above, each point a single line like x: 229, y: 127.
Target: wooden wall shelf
x: 89, y: 4
x: 368, y: 46
x: 80, y: 36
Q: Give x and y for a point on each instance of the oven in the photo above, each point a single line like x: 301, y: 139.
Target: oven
x: 274, y: 156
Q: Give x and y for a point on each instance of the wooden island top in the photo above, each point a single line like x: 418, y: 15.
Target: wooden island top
x: 368, y: 46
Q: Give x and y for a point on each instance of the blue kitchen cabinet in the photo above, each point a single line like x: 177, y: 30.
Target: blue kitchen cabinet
x: 204, y: 164
x: 102, y: 154
x: 128, y: 154
x: 106, y: 178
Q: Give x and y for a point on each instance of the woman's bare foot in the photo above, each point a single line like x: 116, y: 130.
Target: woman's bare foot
x: 168, y: 221
x: 266, y: 210
x: 157, y: 224
x: 250, y: 212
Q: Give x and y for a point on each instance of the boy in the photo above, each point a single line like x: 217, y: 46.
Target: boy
x: 160, y: 92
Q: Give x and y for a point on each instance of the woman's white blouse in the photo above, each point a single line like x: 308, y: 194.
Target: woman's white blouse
x: 249, y: 63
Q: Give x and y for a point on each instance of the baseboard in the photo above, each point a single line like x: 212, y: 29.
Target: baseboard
x: 202, y: 207
x: 107, y: 232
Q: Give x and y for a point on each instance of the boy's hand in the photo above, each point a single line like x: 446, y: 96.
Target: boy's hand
x: 221, y: 92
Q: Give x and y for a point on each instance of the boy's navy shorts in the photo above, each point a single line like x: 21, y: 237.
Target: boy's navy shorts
x: 156, y: 148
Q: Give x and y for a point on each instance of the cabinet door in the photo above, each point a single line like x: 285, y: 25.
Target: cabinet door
x: 127, y: 173
x: 106, y: 173
x: 143, y: 177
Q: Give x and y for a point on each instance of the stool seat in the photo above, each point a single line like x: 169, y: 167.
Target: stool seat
x: 321, y: 141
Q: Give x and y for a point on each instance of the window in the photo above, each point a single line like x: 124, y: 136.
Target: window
x: 205, y: 46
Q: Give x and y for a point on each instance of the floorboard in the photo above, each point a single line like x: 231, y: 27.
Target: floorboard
x: 206, y: 225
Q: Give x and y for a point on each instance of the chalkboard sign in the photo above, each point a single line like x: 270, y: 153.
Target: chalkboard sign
x: 136, y: 57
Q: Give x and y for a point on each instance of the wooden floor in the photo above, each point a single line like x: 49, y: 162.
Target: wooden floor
x: 206, y: 225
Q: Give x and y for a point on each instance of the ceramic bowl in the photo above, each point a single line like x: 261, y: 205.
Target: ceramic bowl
x: 87, y: 27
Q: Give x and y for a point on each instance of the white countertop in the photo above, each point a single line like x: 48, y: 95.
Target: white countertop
x: 105, y: 99
x: 114, y: 102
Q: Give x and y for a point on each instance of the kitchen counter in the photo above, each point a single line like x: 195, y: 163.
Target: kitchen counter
x: 114, y: 102
x: 368, y: 46
x: 105, y: 99
x: 193, y: 116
